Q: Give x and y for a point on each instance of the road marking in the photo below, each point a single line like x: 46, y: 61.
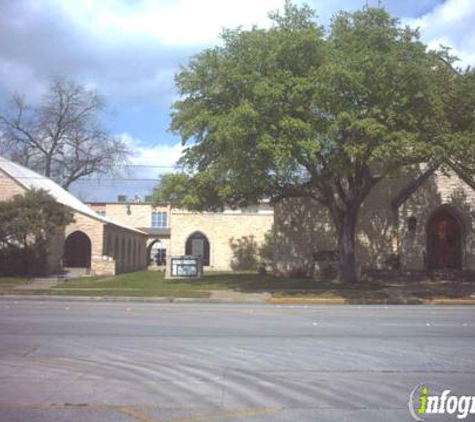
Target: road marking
x: 142, y: 417
x: 139, y: 416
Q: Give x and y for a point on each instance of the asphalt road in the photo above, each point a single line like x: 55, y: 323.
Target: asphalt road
x: 97, y: 361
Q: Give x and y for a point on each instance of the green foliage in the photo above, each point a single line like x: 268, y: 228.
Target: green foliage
x: 266, y: 250
x: 249, y: 255
x: 179, y: 189
x: 291, y: 111
x: 29, y: 222
x: 245, y: 253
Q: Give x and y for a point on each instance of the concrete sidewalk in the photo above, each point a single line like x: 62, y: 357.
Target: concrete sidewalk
x: 238, y: 297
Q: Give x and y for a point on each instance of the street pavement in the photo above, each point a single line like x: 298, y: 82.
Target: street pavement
x: 101, y: 361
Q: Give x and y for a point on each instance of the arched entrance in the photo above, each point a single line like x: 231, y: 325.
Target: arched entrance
x: 157, y: 253
x: 444, y: 240
x: 77, y: 250
x: 198, y: 245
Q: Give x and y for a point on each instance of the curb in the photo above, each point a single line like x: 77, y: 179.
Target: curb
x: 272, y: 301
x: 453, y: 302
x: 303, y: 301
x: 137, y: 299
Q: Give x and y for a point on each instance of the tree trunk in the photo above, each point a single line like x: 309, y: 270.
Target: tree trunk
x: 347, y: 246
x: 47, y: 171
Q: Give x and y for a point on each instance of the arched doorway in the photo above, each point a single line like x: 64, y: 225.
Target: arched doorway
x: 198, y: 245
x: 157, y: 253
x: 444, y: 240
x: 77, y: 250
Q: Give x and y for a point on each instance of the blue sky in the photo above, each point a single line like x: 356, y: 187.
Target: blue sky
x: 130, y: 49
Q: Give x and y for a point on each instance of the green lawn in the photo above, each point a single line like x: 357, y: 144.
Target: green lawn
x: 141, y: 283
x: 152, y: 283
x: 8, y: 283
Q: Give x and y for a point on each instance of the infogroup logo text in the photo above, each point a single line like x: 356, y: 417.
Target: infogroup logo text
x: 445, y: 403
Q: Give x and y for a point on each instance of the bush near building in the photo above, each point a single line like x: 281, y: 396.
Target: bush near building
x: 28, y: 223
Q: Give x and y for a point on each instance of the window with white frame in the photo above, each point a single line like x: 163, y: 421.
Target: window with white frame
x: 159, y: 219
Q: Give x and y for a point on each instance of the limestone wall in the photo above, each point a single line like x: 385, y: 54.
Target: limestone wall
x: 126, y: 247
x: 133, y: 215
x: 9, y: 187
x: 220, y: 229
x: 443, y: 188
x: 304, y: 227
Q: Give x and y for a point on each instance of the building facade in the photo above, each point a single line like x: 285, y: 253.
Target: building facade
x: 221, y: 238
x: 92, y: 243
x: 413, y: 223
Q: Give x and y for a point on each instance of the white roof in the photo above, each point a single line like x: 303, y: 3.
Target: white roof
x: 32, y: 180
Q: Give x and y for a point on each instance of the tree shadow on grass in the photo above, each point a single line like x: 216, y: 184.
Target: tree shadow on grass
x: 248, y: 282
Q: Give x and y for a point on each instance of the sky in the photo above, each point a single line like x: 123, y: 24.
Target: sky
x: 129, y: 50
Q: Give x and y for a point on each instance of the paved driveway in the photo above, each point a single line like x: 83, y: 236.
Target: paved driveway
x: 90, y: 361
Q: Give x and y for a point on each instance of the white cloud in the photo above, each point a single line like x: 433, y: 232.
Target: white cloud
x: 450, y: 24
x: 159, y: 155
x: 178, y: 23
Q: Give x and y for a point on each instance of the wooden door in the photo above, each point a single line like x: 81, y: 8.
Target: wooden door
x: 444, y: 241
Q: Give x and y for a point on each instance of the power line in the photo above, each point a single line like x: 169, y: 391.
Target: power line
x: 147, y: 166
x: 127, y: 165
x: 116, y: 180
x: 91, y: 179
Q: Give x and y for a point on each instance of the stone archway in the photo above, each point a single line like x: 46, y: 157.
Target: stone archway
x: 197, y: 244
x: 444, y: 240
x: 77, y: 250
x: 157, y: 253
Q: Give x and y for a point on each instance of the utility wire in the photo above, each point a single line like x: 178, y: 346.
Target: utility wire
x: 91, y: 179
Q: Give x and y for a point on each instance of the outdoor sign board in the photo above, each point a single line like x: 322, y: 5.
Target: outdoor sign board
x: 186, y: 266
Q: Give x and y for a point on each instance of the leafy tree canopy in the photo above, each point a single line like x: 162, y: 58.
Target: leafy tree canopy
x: 292, y: 111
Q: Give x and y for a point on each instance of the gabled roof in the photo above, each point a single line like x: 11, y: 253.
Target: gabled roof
x: 412, y: 186
x: 32, y: 180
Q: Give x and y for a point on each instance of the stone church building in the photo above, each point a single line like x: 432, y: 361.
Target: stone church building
x: 93, y: 243
x: 215, y: 236
x: 117, y: 237
x: 413, y: 223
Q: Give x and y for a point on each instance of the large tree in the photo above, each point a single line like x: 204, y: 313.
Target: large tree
x: 61, y: 137
x: 292, y: 111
